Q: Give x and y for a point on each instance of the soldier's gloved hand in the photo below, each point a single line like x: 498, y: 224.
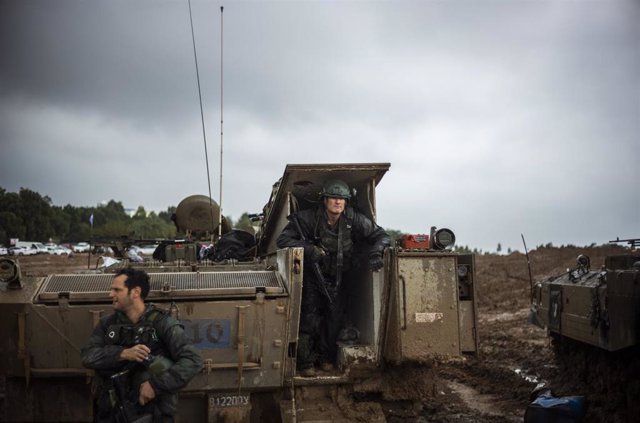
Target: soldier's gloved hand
x: 375, y: 262
x: 314, y: 254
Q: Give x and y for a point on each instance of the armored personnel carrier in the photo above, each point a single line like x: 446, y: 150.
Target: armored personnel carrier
x: 593, y: 319
x: 243, y: 315
x: 599, y: 307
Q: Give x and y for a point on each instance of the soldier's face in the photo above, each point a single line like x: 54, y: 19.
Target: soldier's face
x: 334, y: 205
x: 121, y: 296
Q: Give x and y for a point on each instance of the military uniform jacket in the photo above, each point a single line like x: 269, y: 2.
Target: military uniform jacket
x: 166, y: 338
x: 356, y: 229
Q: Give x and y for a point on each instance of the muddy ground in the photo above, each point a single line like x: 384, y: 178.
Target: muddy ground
x: 514, y: 355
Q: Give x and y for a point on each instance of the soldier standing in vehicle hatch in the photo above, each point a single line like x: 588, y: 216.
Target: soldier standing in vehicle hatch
x: 329, y: 235
x: 142, y: 346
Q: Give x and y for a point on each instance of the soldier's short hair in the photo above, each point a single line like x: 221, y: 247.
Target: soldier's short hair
x: 136, y: 277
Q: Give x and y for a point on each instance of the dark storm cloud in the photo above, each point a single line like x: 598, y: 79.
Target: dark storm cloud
x: 498, y: 117
x: 120, y: 58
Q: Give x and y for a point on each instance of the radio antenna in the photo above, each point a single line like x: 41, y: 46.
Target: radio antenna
x: 204, y: 132
x: 221, y: 117
x: 529, y: 267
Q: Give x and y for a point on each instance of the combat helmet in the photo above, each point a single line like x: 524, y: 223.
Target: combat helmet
x: 335, y: 188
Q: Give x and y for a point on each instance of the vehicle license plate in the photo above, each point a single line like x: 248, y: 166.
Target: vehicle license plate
x: 228, y: 400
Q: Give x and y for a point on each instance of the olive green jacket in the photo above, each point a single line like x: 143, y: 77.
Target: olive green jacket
x: 102, y: 352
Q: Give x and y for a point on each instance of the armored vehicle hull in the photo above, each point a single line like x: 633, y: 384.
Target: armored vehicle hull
x: 244, y: 319
x: 596, y: 307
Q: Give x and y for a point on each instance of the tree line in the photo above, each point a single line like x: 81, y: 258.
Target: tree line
x: 29, y: 216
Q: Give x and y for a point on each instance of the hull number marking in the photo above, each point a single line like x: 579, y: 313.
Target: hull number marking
x: 228, y: 400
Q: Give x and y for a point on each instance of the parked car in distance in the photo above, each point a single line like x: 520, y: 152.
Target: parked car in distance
x: 3, y: 250
x: 60, y: 251
x: 22, y: 251
x: 81, y: 247
x: 31, y: 251
x: 40, y: 248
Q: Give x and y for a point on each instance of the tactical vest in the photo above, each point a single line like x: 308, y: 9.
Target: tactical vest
x: 120, y: 331
x: 124, y: 333
x: 336, y: 241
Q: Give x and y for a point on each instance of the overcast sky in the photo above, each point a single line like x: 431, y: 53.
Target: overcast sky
x: 498, y: 117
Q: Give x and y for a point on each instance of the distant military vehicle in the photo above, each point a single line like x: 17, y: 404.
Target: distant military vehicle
x: 243, y: 315
x: 599, y: 307
x: 593, y: 319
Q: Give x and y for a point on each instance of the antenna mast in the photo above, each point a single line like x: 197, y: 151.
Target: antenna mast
x: 221, y: 117
x: 204, y: 132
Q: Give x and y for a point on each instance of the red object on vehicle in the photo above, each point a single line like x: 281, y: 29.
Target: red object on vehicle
x: 415, y: 241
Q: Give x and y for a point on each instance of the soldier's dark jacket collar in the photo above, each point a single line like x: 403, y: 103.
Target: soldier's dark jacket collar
x: 149, y: 314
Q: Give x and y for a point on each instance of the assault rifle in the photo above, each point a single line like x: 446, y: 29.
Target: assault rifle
x: 315, y: 266
x: 124, y: 410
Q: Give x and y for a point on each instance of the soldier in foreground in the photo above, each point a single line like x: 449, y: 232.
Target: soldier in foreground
x: 330, y: 234
x: 141, y: 355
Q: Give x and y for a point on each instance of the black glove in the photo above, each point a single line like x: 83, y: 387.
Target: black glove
x: 313, y: 253
x: 375, y: 262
